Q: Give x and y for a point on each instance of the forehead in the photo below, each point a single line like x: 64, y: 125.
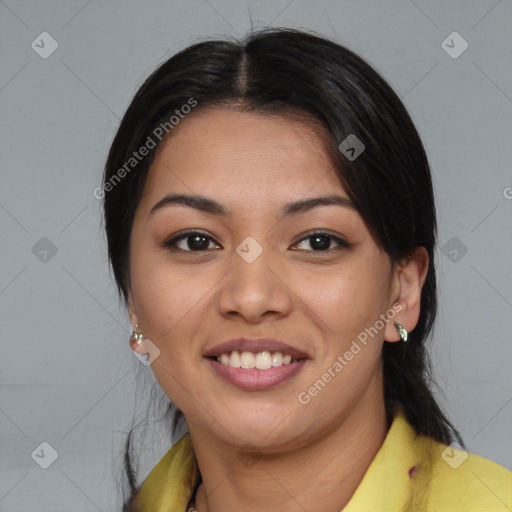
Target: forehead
x: 222, y: 151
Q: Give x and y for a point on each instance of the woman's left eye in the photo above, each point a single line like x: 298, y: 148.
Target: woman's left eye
x: 321, y: 241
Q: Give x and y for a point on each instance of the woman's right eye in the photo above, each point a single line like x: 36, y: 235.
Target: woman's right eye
x: 191, y: 241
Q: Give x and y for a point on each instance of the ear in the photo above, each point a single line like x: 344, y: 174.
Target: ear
x: 407, y: 283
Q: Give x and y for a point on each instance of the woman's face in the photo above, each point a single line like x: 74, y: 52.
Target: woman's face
x: 253, y: 272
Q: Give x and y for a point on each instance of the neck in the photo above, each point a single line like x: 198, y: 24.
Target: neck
x: 322, y: 475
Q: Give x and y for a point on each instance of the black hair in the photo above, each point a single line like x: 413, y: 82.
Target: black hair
x: 281, y: 71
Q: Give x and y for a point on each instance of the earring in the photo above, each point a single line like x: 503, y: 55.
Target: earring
x: 135, y: 338
x: 401, y: 331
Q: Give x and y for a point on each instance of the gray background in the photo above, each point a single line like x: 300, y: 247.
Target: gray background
x: 68, y: 377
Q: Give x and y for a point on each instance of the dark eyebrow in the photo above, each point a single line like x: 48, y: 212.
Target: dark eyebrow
x: 303, y: 205
x: 206, y: 205
x: 200, y: 203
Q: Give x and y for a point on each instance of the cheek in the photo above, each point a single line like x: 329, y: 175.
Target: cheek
x: 163, y: 294
x: 165, y: 300
x: 168, y: 304
x: 344, y: 304
x: 345, y: 300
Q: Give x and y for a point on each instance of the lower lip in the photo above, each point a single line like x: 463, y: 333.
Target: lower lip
x: 253, y: 379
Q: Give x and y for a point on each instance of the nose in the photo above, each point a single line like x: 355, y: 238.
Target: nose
x: 255, y: 290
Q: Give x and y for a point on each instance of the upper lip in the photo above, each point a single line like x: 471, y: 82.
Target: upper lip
x: 254, y: 345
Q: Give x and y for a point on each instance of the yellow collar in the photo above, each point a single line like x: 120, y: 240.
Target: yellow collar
x: 409, y: 473
x: 170, y: 483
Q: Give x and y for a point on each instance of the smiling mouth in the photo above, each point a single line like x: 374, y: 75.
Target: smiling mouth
x: 256, y: 371
x: 263, y: 360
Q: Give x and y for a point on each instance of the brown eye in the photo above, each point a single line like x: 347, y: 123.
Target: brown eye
x: 194, y: 241
x: 320, y: 241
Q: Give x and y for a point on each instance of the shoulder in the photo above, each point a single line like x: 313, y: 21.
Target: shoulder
x: 462, y: 481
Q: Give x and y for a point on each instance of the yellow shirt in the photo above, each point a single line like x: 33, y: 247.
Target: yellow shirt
x: 445, y: 479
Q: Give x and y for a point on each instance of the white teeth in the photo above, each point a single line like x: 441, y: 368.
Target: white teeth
x: 262, y: 360
x: 277, y: 359
x: 247, y: 360
x: 234, y: 360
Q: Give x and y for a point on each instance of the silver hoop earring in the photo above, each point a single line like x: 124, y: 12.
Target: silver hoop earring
x: 136, y: 338
x: 401, y: 331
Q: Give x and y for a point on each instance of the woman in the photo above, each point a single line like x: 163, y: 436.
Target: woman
x: 271, y: 227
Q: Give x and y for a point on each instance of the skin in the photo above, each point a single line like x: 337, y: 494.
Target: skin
x: 318, y: 301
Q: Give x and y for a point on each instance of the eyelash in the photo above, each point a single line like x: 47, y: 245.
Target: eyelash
x: 171, y: 243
